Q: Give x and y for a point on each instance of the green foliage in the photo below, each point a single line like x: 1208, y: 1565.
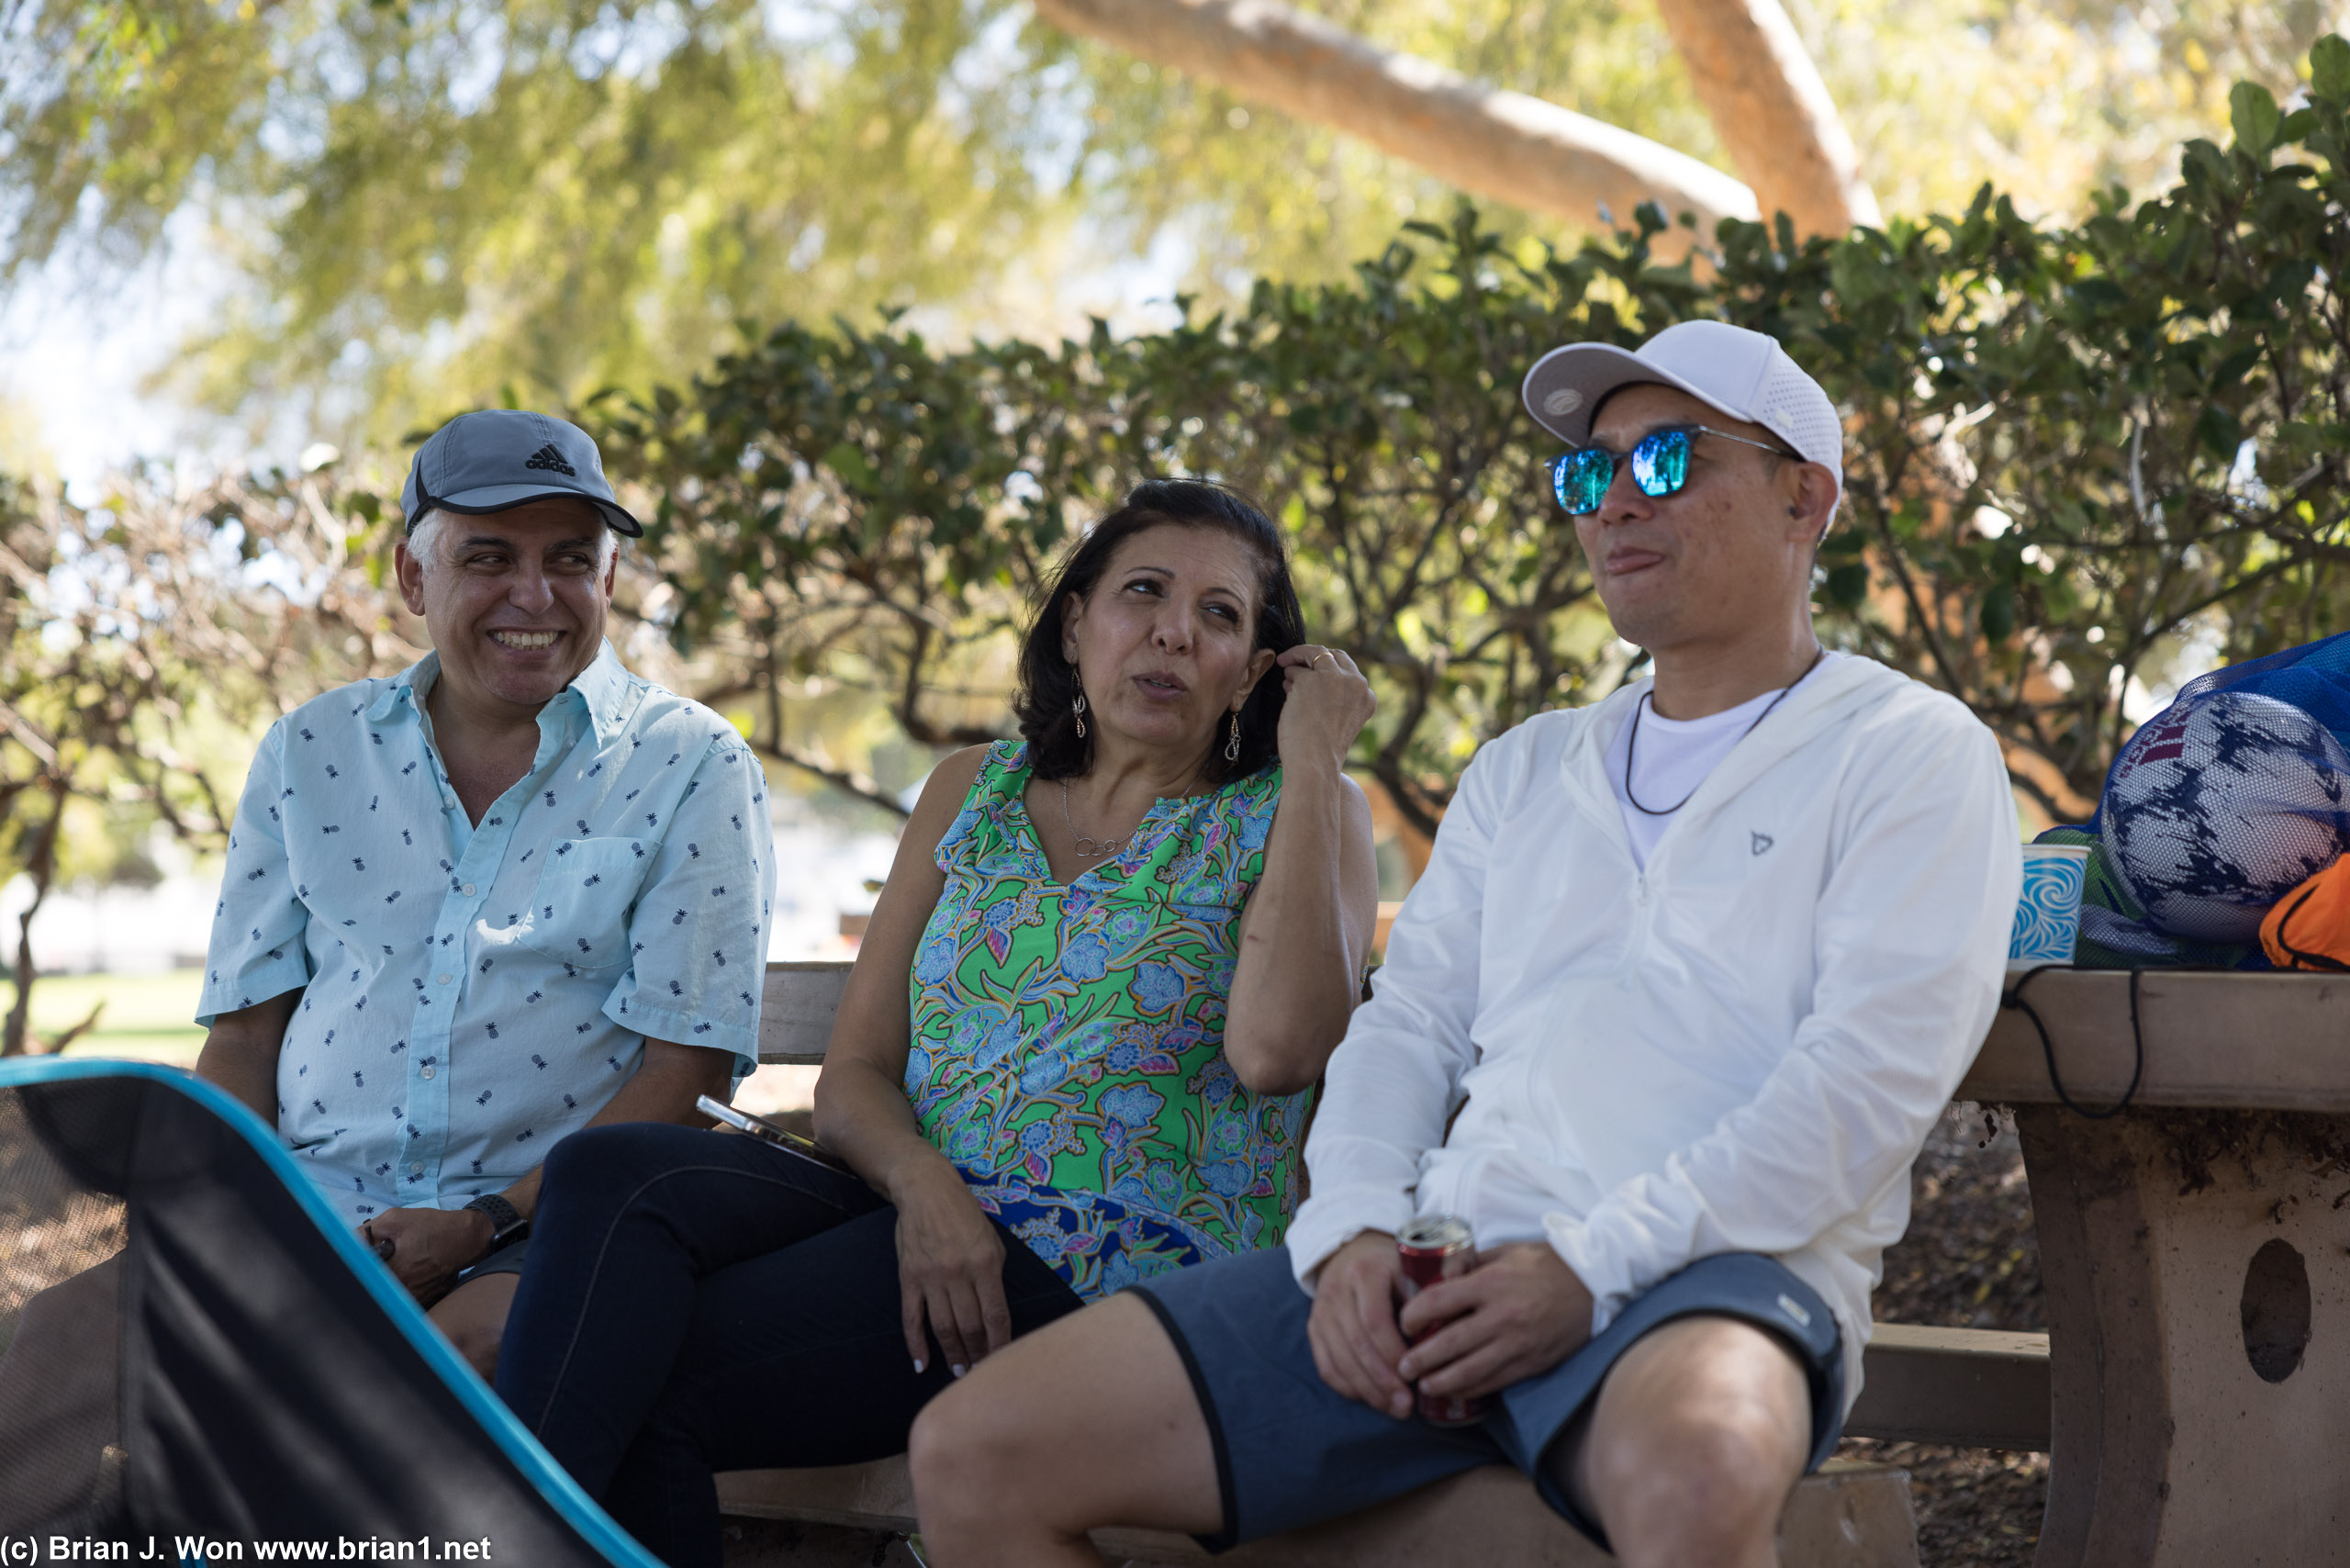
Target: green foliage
x: 442, y: 196
x: 421, y: 203
x: 2071, y: 449
x: 133, y: 638
x: 2104, y: 439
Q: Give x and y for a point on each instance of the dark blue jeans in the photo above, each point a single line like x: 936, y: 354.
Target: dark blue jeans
x: 697, y: 1302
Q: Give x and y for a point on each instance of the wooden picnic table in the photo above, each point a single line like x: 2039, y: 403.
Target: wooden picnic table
x: 2192, y: 1249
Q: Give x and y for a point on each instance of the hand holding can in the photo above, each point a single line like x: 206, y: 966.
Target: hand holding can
x: 1433, y: 1248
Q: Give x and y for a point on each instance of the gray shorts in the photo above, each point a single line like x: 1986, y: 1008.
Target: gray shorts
x: 1291, y: 1451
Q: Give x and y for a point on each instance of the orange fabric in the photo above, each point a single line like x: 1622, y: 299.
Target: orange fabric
x: 2309, y: 928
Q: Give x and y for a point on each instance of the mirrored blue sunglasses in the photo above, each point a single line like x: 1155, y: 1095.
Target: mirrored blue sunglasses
x: 1660, y: 466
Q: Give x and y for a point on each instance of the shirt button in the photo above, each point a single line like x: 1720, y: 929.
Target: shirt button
x: 416, y: 1172
x: 467, y: 890
x: 443, y: 979
x: 428, y: 1073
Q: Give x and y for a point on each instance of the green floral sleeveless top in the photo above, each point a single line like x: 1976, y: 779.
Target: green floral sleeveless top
x: 1069, y: 1039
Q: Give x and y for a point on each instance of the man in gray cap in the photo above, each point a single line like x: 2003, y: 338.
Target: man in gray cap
x: 1689, y: 976
x: 509, y: 892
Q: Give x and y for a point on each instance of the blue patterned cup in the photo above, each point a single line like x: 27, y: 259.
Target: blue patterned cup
x: 2048, y: 916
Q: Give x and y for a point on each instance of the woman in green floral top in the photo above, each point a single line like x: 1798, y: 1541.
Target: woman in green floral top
x: 1077, y: 1049
x: 1065, y: 1045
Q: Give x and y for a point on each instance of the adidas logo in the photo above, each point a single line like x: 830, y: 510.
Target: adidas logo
x: 548, y: 457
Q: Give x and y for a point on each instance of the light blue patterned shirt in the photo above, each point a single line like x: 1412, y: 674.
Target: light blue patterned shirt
x: 473, y: 993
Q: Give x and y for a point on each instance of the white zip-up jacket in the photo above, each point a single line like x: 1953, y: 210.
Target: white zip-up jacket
x: 1738, y: 1050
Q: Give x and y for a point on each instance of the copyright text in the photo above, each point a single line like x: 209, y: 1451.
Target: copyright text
x: 191, y: 1550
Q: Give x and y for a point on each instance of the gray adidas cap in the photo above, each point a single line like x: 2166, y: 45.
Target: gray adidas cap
x: 499, y: 458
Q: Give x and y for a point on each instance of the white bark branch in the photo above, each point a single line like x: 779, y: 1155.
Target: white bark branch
x: 1499, y: 144
x: 1773, y: 112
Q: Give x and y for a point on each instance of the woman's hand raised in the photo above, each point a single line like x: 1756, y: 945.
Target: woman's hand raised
x: 950, y: 1268
x: 1328, y: 704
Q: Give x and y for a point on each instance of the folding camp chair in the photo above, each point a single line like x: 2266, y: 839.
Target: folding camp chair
x: 198, y: 1351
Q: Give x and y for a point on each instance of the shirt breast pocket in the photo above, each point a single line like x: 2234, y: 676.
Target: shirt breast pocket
x: 579, y: 911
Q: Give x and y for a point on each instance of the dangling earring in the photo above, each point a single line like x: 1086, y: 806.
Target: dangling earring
x: 1077, y: 706
x: 1231, y: 747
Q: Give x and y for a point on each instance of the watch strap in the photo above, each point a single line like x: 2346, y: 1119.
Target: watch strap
x: 506, y: 1222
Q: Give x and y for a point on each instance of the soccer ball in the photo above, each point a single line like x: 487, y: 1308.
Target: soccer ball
x: 2221, y: 806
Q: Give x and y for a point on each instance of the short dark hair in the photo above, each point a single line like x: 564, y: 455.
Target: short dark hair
x: 1048, y: 683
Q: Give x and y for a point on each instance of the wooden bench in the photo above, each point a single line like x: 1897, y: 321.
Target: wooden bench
x: 1966, y: 1387
x: 1848, y: 1517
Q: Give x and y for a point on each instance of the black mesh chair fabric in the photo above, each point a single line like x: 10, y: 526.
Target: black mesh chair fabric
x: 191, y: 1350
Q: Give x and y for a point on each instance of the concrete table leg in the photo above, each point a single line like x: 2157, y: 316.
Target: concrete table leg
x: 2198, y: 1313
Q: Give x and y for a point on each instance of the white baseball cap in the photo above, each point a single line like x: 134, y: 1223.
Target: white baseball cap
x: 1745, y: 374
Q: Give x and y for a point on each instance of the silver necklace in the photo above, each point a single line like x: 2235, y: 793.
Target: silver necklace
x: 1090, y: 850
x: 1631, y: 746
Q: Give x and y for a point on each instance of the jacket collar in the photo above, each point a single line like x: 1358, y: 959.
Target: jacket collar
x: 1583, y: 764
x: 605, y: 690
x: 1828, y: 697
x: 1837, y: 691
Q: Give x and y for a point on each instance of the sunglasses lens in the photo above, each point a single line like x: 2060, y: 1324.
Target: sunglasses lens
x: 1661, y: 463
x: 1581, y: 481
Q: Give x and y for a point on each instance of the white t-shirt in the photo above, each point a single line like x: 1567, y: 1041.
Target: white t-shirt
x: 1673, y: 757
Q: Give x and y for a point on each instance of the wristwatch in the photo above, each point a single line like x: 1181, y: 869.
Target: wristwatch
x: 506, y: 1222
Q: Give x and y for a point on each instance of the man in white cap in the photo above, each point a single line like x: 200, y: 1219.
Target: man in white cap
x: 1689, y: 976
x: 510, y: 892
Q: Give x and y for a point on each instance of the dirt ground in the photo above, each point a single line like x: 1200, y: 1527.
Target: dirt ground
x: 1968, y: 1261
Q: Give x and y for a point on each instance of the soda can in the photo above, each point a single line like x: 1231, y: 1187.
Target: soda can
x: 1428, y: 1247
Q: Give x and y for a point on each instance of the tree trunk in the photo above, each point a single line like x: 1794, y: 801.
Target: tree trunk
x: 1773, y: 112
x: 1499, y: 144
x: 41, y: 867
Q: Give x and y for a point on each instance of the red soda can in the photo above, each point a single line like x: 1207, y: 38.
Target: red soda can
x: 1428, y: 1247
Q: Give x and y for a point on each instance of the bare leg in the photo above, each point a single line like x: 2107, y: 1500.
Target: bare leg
x: 1699, y: 1433
x: 1089, y: 1422
x: 473, y: 1319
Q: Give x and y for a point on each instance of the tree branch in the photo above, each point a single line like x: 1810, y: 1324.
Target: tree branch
x: 28, y: 735
x: 855, y: 784
x: 1499, y: 144
x: 1773, y: 112
x: 41, y: 866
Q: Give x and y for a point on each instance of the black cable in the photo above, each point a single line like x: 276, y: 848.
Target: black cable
x: 2013, y: 997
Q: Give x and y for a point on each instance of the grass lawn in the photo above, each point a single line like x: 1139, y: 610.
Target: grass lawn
x: 146, y: 1015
